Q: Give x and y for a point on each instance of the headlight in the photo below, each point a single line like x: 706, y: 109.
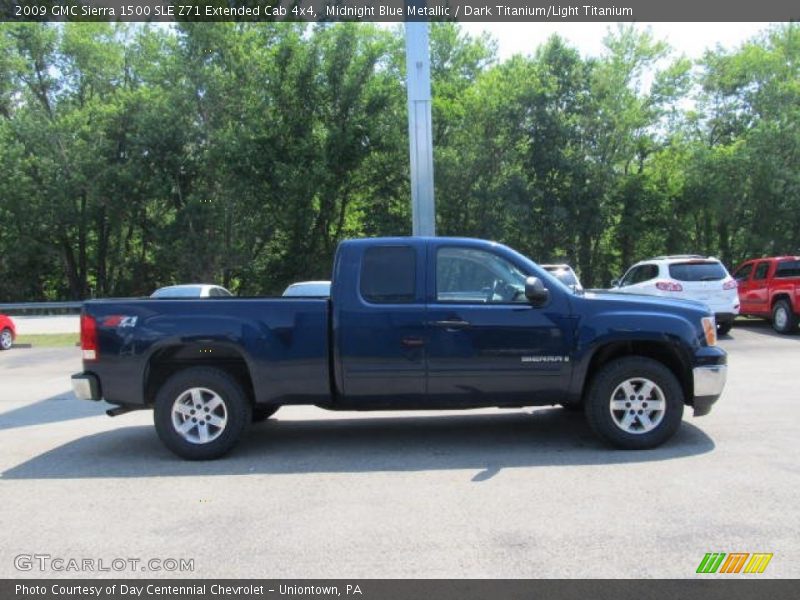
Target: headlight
x: 710, y: 330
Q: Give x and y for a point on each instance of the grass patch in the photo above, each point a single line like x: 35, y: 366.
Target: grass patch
x: 48, y: 340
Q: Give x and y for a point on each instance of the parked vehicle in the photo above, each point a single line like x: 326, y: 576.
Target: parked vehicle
x: 565, y: 275
x: 770, y: 288
x: 191, y: 290
x: 8, y: 332
x: 689, y: 277
x: 318, y: 289
x: 412, y: 323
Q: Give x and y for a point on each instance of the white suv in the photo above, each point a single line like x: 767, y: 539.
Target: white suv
x: 686, y: 276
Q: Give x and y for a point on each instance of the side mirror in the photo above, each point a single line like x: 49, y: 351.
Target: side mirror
x: 535, y: 291
x: 615, y: 283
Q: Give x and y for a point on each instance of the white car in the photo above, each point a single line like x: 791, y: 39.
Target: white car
x: 191, y: 290
x: 309, y: 288
x: 687, y: 277
x: 565, y: 275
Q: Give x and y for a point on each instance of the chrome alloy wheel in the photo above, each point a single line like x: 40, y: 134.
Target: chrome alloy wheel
x: 199, y: 415
x: 6, y: 340
x: 637, y: 405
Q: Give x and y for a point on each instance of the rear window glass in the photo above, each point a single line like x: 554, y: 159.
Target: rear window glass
x: 388, y: 275
x: 697, y: 271
x: 788, y: 268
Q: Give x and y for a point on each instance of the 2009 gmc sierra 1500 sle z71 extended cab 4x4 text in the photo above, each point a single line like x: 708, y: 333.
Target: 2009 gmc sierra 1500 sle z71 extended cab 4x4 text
x: 412, y: 323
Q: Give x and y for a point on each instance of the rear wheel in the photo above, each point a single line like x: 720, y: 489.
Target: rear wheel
x: 201, y: 413
x: 6, y: 339
x: 783, y: 318
x: 724, y: 328
x: 635, y: 403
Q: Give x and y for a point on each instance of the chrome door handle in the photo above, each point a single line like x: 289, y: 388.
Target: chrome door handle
x: 451, y: 324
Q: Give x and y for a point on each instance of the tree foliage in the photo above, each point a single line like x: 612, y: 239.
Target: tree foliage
x: 136, y: 156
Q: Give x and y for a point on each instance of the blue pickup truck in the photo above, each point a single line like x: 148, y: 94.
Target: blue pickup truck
x: 411, y: 323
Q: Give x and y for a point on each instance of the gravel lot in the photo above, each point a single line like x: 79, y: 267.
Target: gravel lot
x: 487, y: 493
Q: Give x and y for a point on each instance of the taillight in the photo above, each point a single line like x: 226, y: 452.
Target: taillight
x: 89, y: 337
x: 729, y: 285
x: 669, y: 286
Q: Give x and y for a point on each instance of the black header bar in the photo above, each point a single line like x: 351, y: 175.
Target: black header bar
x: 399, y: 10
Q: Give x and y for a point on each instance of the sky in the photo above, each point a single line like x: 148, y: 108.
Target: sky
x: 691, y: 39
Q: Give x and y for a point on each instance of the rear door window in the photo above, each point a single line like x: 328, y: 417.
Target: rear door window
x: 697, y: 271
x: 640, y: 274
x: 388, y: 275
x: 646, y: 273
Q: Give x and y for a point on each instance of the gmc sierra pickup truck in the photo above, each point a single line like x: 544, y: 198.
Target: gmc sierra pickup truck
x: 411, y: 323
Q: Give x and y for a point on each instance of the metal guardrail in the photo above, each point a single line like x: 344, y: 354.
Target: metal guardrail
x: 49, y: 308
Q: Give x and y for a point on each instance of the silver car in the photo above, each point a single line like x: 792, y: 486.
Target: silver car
x: 309, y: 288
x: 191, y: 290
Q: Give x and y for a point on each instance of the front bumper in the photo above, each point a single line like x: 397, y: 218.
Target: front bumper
x: 86, y: 386
x: 709, y: 381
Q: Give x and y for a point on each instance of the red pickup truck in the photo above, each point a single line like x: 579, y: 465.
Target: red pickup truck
x: 770, y: 288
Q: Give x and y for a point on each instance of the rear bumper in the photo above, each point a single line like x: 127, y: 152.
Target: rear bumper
x: 724, y: 317
x: 86, y: 386
x: 709, y: 381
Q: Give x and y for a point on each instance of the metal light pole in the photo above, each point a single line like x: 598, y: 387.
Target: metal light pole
x: 420, y: 134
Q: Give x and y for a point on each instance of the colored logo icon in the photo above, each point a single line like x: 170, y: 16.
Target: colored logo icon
x: 735, y: 562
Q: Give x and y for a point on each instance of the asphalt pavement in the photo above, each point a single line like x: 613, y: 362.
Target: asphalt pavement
x: 484, y: 493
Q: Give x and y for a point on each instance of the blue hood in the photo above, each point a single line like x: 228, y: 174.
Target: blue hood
x: 610, y: 299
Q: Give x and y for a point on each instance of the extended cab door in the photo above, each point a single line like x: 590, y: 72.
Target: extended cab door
x: 487, y: 343
x: 379, y: 323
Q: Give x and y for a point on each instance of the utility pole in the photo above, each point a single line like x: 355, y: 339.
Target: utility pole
x: 420, y: 132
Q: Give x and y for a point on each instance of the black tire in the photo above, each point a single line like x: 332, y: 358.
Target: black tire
x: 724, y: 328
x: 783, y: 318
x: 6, y: 339
x: 263, y: 412
x: 608, y: 382
x: 214, y: 385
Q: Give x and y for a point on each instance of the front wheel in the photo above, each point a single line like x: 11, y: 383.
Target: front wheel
x: 634, y: 403
x: 724, y: 328
x: 6, y: 339
x: 201, y: 413
x: 783, y: 318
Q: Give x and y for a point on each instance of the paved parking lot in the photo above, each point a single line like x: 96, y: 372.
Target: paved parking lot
x: 486, y: 493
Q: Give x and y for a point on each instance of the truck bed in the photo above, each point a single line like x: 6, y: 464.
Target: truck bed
x: 282, y: 341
